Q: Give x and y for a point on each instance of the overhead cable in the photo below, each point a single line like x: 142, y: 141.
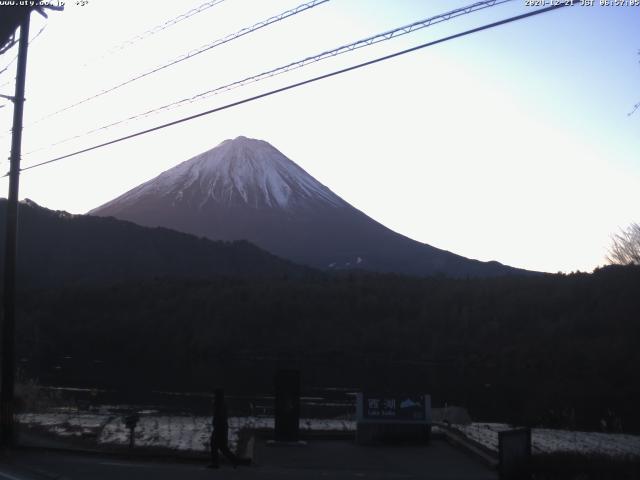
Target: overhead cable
x: 15, y: 57
x: 563, y: 3
x: 380, y: 37
x: 216, y: 43
x: 158, y: 28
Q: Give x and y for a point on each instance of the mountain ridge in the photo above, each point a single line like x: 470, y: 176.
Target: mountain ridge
x: 56, y: 247
x: 247, y: 189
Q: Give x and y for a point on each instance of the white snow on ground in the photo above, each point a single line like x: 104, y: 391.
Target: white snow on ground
x: 546, y: 440
x: 610, y: 444
x: 191, y: 433
x: 65, y: 424
x: 179, y: 433
x: 167, y: 432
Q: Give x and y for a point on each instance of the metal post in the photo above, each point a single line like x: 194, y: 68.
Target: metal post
x: 7, y: 374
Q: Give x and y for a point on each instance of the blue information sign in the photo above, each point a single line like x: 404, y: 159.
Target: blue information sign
x: 395, y: 408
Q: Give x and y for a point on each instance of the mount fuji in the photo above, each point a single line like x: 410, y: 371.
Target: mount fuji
x: 245, y: 189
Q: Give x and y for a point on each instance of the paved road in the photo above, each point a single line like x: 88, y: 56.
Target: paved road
x: 333, y: 459
x: 344, y: 459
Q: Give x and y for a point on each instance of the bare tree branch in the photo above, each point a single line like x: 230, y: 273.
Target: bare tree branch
x: 625, y: 246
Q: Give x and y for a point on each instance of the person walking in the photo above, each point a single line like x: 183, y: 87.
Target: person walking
x: 220, y: 434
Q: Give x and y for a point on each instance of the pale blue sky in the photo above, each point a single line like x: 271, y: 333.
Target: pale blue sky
x: 513, y: 144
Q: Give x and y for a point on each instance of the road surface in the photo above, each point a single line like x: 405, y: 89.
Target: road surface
x: 326, y: 459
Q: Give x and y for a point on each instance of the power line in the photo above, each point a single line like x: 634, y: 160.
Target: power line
x: 6, y: 67
x: 2, y: 85
x: 380, y: 37
x: 276, y: 18
x: 304, y: 82
x: 158, y: 28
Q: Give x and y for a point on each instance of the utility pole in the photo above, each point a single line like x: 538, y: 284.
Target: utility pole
x: 8, y: 369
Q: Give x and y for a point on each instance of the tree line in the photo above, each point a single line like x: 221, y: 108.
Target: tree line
x: 555, y: 350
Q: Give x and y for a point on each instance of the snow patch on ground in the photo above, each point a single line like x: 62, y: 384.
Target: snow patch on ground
x: 177, y: 433
x: 172, y: 433
x: 64, y: 424
x: 544, y: 440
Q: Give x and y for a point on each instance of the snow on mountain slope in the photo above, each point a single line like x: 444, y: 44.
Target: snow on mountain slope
x: 239, y: 171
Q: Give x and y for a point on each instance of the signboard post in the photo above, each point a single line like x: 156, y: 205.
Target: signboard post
x: 393, y: 417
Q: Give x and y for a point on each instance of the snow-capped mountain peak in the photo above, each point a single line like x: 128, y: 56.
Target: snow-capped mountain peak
x: 239, y: 171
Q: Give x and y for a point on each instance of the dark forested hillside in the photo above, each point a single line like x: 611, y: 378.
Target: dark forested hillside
x: 555, y: 349
x: 57, y: 248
